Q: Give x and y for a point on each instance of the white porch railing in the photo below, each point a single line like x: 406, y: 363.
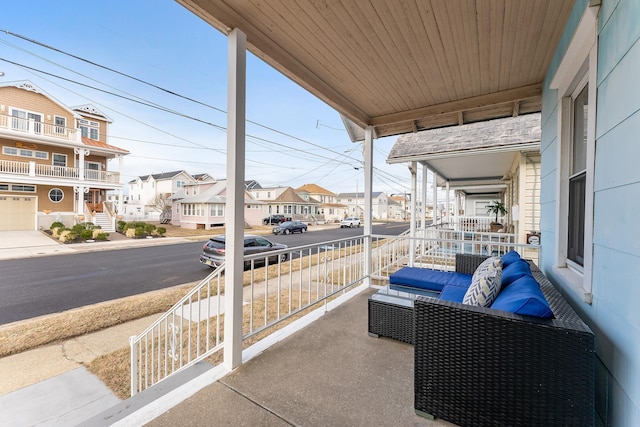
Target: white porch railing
x: 62, y: 172
x: 33, y: 127
x: 192, y: 329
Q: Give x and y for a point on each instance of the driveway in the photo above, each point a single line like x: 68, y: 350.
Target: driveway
x: 24, y: 239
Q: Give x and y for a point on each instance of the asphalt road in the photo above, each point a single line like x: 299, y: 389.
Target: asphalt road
x: 38, y: 286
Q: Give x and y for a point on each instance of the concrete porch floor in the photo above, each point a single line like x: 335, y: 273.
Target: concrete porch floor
x: 331, y: 373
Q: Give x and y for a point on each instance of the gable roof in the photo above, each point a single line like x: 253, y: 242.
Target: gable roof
x: 30, y: 87
x: 215, y: 194
x: 290, y: 196
x: 314, y: 189
x: 359, y: 195
x: 90, y: 110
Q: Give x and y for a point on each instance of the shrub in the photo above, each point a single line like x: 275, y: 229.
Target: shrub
x: 149, y: 228
x: 139, y: 231
x: 120, y: 225
x: 161, y: 230
x: 67, y: 235
x: 130, y: 232
x: 100, y: 235
x: 56, y: 224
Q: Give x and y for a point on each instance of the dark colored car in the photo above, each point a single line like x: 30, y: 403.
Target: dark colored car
x: 275, y: 219
x: 214, y: 250
x: 290, y: 227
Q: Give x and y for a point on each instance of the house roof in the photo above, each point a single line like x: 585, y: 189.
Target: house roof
x: 314, y: 189
x: 90, y: 110
x: 474, y: 157
x: 102, y: 145
x: 402, y: 67
x: 28, y: 86
x: 502, y: 134
x: 289, y: 196
x: 215, y: 194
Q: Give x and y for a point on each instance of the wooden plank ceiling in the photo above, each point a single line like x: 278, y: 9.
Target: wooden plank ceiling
x: 404, y: 65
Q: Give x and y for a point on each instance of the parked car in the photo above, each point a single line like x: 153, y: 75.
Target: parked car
x: 213, y: 251
x: 290, y: 227
x: 275, y: 219
x: 350, y: 222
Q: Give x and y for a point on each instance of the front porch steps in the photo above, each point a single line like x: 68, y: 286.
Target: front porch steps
x: 104, y: 221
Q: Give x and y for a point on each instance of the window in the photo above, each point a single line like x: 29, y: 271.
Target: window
x: 577, y: 177
x: 89, y: 129
x: 60, y: 125
x: 13, y: 151
x: 92, y: 170
x: 59, y: 159
x: 216, y: 209
x: 575, y: 81
x: 56, y: 195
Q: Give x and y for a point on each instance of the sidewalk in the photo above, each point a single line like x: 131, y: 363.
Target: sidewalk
x: 50, y: 385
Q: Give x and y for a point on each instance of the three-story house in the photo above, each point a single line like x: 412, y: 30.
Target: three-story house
x: 53, y: 162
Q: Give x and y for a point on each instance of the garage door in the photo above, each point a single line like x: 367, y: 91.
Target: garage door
x: 17, y: 213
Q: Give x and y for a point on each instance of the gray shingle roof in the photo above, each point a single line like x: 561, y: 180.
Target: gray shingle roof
x: 488, y: 134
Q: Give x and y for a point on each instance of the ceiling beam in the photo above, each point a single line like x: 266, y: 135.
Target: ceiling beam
x: 525, y: 92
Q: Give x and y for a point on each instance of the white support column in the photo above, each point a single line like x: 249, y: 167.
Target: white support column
x: 368, y: 202
x: 446, y: 207
x: 423, y: 218
x: 81, y: 152
x: 435, y: 197
x: 413, y: 168
x: 236, y: 99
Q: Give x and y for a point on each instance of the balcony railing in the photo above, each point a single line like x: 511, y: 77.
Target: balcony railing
x: 192, y: 329
x: 33, y: 127
x: 58, y: 172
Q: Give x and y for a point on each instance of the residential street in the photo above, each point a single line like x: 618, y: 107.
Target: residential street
x: 33, y: 287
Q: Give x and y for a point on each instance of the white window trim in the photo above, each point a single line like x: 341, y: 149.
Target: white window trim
x: 578, y: 67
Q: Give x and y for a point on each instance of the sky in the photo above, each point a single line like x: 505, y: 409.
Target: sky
x: 293, y: 137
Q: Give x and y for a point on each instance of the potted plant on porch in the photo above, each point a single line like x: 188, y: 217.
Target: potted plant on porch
x: 499, y: 209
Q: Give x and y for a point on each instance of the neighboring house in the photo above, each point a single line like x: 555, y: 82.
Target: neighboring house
x: 284, y: 200
x: 398, y: 208
x: 330, y: 209
x: 205, y: 207
x: 355, y: 204
x: 482, y: 162
x: 145, y: 190
x: 53, y: 163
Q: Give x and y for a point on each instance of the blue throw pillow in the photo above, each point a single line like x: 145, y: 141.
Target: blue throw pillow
x: 453, y: 293
x: 514, y: 271
x: 509, y: 257
x: 525, y: 297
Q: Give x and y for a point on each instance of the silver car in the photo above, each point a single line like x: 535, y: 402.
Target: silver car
x: 213, y: 252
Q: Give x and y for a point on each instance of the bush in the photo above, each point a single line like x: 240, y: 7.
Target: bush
x: 67, y: 235
x: 56, y: 224
x: 139, y: 231
x: 120, y: 226
x: 161, y: 230
x: 130, y: 232
x: 149, y: 228
x: 100, y: 235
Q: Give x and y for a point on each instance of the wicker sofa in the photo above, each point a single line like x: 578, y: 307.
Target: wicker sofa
x: 479, y: 366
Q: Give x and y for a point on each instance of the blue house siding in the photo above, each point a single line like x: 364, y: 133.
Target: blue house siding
x: 614, y: 313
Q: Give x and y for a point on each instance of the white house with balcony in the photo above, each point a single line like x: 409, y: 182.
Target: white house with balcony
x: 54, y: 162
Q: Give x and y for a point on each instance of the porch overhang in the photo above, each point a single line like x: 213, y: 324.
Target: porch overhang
x: 402, y: 67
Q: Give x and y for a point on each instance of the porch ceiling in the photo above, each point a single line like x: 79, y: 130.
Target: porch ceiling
x: 403, y: 66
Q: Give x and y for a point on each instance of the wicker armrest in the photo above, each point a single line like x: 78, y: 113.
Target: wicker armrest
x: 480, y: 366
x: 467, y: 263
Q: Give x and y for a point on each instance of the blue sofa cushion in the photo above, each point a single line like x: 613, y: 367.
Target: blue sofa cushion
x: 426, y: 278
x: 523, y: 296
x: 453, y: 293
x: 509, y: 257
x: 514, y: 271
